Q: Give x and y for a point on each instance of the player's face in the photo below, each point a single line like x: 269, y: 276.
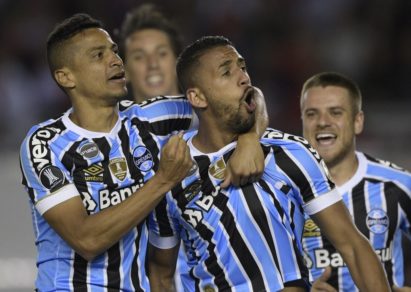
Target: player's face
x: 227, y: 87
x: 96, y: 66
x: 151, y: 64
x: 329, y: 123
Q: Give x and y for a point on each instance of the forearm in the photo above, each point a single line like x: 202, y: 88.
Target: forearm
x: 365, y: 267
x: 96, y: 233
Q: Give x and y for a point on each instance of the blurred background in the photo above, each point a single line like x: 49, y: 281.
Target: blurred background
x: 284, y: 43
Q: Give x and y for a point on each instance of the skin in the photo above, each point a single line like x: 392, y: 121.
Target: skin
x: 328, y: 111
x: 87, y: 78
x: 150, y: 64
x: 330, y: 124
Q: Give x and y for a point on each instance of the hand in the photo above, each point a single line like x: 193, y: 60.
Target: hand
x: 246, y: 164
x: 321, y: 283
x: 401, y: 289
x: 175, y: 161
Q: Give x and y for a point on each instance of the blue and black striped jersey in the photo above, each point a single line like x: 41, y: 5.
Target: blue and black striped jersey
x: 243, y: 239
x: 378, y: 197
x: 60, y: 160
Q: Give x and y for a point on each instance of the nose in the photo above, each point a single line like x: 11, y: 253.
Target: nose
x: 116, y: 60
x: 323, y: 120
x: 152, y: 61
x: 244, y: 77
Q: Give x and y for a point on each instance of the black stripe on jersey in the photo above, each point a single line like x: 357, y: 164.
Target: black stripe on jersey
x: 124, y: 137
x: 257, y: 211
x: 294, y: 172
x: 113, y: 267
x: 359, y: 208
x: 79, y: 274
x: 165, y: 127
x: 105, y: 149
x: 135, y: 272
x: 405, y: 203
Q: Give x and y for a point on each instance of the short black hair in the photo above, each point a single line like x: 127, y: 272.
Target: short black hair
x: 325, y: 79
x: 149, y: 16
x: 64, y: 31
x: 191, y: 54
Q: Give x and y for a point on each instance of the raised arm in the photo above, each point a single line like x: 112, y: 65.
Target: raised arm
x: 246, y: 164
x: 336, y: 224
x: 90, y: 235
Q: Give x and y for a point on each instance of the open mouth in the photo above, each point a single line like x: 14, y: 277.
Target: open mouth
x: 118, y: 76
x: 325, y: 138
x: 249, y: 100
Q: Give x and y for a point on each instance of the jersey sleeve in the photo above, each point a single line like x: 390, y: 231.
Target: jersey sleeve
x: 45, y: 178
x: 163, y: 114
x: 305, y: 173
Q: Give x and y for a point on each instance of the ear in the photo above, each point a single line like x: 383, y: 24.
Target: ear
x: 196, y: 98
x: 358, y: 122
x: 64, y: 78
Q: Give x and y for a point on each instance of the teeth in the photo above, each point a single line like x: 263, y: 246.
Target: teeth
x: 154, y: 79
x: 325, y: 136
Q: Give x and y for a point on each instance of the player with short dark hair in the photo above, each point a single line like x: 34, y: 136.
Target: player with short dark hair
x: 377, y: 193
x: 246, y: 238
x: 95, y: 173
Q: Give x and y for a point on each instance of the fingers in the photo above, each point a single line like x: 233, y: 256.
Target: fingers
x: 321, y: 283
x: 227, y: 180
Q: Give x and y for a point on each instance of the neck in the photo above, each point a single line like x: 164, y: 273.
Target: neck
x: 211, y: 137
x: 94, y: 118
x: 344, y: 170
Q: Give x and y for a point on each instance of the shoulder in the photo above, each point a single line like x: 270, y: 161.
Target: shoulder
x: 289, y: 142
x: 386, y: 170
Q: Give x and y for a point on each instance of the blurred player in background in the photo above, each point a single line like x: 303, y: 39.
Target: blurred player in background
x: 377, y: 193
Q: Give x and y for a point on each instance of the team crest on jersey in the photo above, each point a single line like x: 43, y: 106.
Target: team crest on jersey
x: 142, y: 158
x: 217, y: 169
x: 192, y: 190
x: 377, y: 221
x: 118, y: 168
x: 311, y: 229
x: 94, y: 173
x: 88, y: 149
x: 52, y: 177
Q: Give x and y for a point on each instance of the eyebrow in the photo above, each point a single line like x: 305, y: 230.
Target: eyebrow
x: 102, y: 47
x: 228, y: 62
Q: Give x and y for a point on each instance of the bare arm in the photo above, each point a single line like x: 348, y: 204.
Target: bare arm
x: 90, y: 235
x: 161, y: 267
x: 247, y: 162
x: 366, y: 270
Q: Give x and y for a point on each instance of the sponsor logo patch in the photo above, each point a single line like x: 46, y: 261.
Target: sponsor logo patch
x: 217, y: 169
x: 311, y: 229
x: 209, y: 288
x: 118, y: 168
x: 94, y: 173
x: 52, y: 177
x: 88, y: 150
x: 192, y: 190
x: 142, y: 158
x: 377, y: 221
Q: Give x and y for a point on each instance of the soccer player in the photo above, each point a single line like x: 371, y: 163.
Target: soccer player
x: 95, y: 173
x: 246, y: 238
x: 150, y: 43
x: 377, y: 193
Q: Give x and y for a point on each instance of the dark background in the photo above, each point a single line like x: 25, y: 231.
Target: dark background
x: 284, y: 43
